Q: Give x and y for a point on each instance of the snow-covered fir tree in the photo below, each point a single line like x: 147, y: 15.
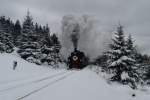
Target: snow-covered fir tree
x: 47, y: 36
x: 52, y: 52
x: 7, y: 25
x: 6, y: 45
x: 29, y: 46
x: 17, y: 32
x: 120, y: 60
x: 6, y: 41
x: 56, y: 47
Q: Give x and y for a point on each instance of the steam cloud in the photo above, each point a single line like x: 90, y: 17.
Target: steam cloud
x: 85, y: 33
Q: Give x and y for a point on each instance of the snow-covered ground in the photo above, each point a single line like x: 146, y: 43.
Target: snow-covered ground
x: 33, y: 82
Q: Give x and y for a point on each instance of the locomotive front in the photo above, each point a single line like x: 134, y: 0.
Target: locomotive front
x: 77, y: 60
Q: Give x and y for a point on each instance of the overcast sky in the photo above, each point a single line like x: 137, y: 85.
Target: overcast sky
x: 132, y: 14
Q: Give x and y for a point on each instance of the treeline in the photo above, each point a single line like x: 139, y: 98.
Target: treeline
x: 32, y: 41
x: 124, y: 62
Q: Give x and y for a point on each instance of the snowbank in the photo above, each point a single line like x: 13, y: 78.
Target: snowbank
x: 23, y: 70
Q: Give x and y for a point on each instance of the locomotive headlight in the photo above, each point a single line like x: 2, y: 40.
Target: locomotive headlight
x: 75, y: 58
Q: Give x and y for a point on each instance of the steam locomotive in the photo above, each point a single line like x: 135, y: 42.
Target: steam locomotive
x: 77, y: 60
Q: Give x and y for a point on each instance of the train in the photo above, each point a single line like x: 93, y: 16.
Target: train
x: 77, y: 60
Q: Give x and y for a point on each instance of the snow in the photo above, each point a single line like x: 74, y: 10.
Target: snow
x: 127, y: 58
x: 124, y: 76
x: 33, y: 82
x: 23, y: 69
x: 120, y: 61
x: 85, y: 85
x: 115, y: 51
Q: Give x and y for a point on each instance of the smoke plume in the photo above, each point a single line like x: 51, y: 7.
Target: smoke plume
x: 75, y: 35
x: 84, y: 33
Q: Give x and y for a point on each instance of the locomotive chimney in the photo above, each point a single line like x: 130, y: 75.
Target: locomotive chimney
x: 75, y: 49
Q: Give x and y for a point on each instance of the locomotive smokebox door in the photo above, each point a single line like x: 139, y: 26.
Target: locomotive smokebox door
x: 75, y: 58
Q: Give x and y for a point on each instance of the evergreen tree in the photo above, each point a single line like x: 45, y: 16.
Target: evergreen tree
x: 132, y: 53
x: 6, y: 29
x: 7, y: 25
x: 52, y: 55
x: 131, y: 49
x: 47, y: 57
x: 144, y: 67
x: 17, y: 31
x: 101, y: 61
x: 56, y: 48
x: 29, y: 47
x: 47, y: 36
x: 27, y: 30
x: 120, y: 61
x: 6, y: 44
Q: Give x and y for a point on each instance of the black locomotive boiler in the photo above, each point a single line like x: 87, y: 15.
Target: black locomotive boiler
x: 77, y: 60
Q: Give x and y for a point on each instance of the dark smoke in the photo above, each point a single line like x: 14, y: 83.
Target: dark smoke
x: 75, y: 36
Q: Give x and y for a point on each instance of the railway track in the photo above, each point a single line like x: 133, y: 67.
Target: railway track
x: 31, y: 82
x: 19, y: 79
x: 45, y: 86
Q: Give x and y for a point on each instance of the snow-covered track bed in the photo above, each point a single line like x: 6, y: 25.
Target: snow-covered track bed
x: 28, y: 87
x: 25, y: 78
x: 50, y: 83
x: 25, y: 82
